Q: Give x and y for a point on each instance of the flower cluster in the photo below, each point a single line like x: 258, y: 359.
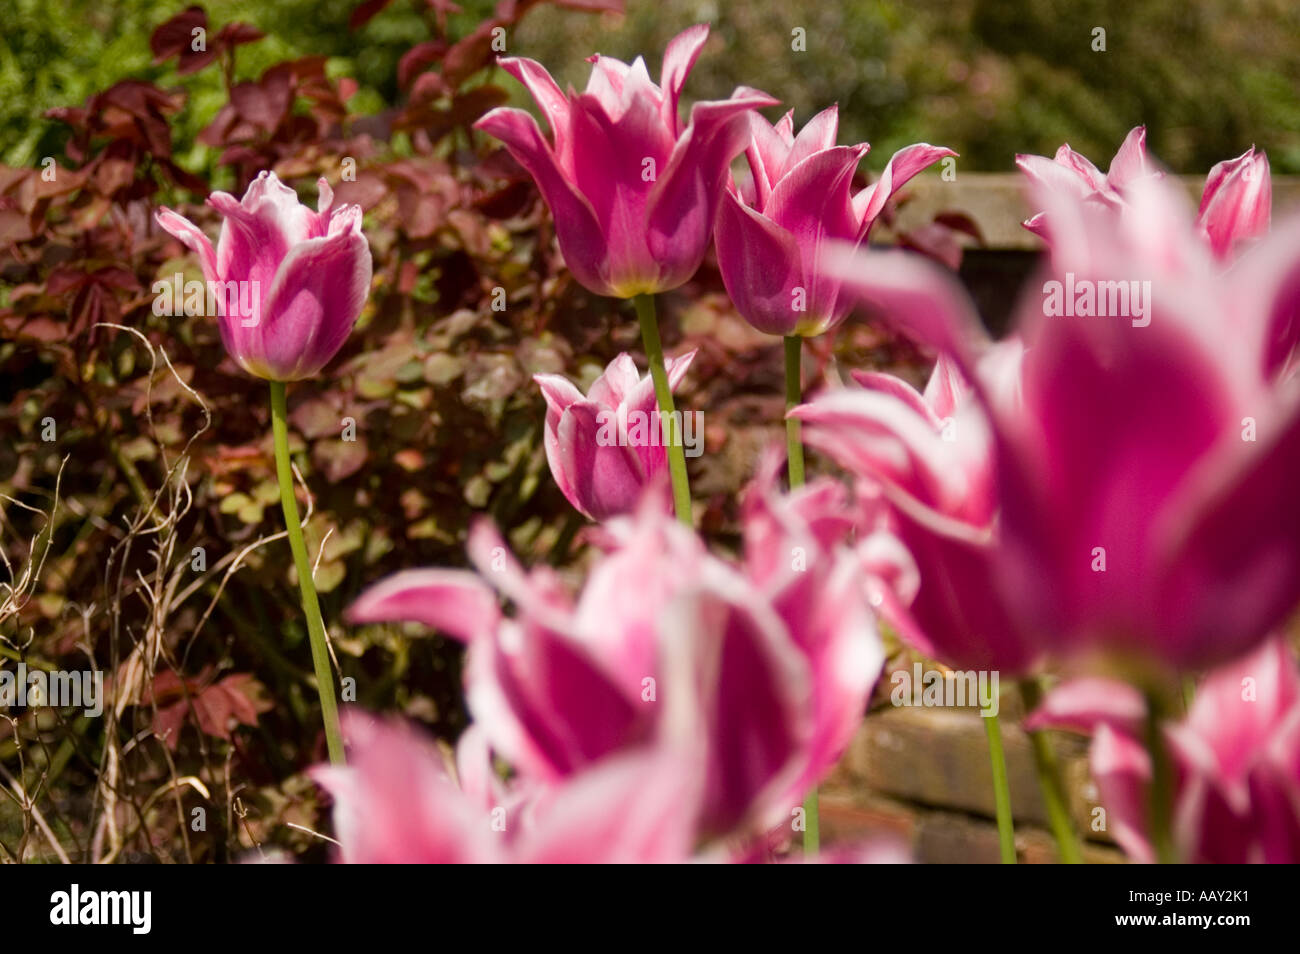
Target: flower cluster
x: 1109, y: 488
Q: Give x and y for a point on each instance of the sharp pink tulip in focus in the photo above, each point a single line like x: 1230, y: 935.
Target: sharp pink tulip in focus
x: 632, y: 189
x: 771, y: 230
x: 607, y: 447
x: 303, y: 276
x: 1236, y: 757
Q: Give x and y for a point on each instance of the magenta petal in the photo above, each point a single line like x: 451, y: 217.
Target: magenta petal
x: 902, y: 166
x: 679, y: 56
x: 310, y: 307
x: 1122, y: 771
x: 1238, y: 726
x: 1236, y: 205
x: 581, y: 238
x: 192, y: 238
x: 1234, y: 567
x: 605, y: 476
x: 1130, y: 162
x: 761, y: 267
x: 394, y: 803
x: 634, y: 808
x: 546, y: 704
x: 684, y: 199
x: 1081, y: 705
x: 817, y: 135
x: 550, y: 100
x: 738, y: 682
x: 456, y: 602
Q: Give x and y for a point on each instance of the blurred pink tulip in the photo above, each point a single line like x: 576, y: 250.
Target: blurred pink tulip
x: 796, y: 554
x: 756, y: 680
x: 291, y: 281
x: 770, y: 232
x: 1236, y: 758
x: 633, y: 192
x: 1074, y: 175
x: 607, y: 447
x: 1146, y: 473
x: 1235, y: 204
x: 396, y: 802
x: 932, y: 454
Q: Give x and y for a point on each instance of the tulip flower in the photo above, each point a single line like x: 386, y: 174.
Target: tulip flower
x: 632, y: 189
x: 1145, y: 476
x: 933, y: 456
x: 771, y: 230
x: 397, y: 803
x: 1236, y: 758
x: 1073, y: 174
x: 299, y: 277
x: 290, y: 284
x: 759, y: 694
x: 1235, y: 204
x: 607, y: 447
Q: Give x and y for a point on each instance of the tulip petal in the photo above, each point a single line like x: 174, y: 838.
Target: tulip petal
x: 634, y: 808
x: 761, y: 267
x: 581, y: 238
x: 901, y: 167
x: 395, y: 804
x: 311, y: 305
x: 455, y: 602
x: 192, y: 238
x: 684, y: 199
x: 679, y: 57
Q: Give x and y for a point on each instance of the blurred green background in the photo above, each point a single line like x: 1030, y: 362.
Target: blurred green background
x: 988, y: 77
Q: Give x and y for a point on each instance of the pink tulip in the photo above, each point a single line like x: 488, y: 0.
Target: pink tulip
x: 932, y: 455
x: 1145, y: 477
x: 756, y: 681
x: 797, y: 555
x: 633, y: 192
x: 1073, y: 174
x: 396, y: 802
x: 1236, y: 759
x: 292, y: 281
x: 607, y: 447
x: 770, y: 233
x: 1235, y: 205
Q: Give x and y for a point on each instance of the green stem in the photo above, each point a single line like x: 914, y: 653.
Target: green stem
x: 794, y: 464
x: 310, y: 606
x: 654, y: 352
x: 1161, y: 794
x: 793, y: 397
x: 1001, y: 791
x: 1049, y: 782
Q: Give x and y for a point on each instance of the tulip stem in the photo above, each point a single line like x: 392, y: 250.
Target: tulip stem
x: 793, y: 398
x: 654, y: 352
x: 1161, y: 795
x: 794, y: 467
x: 1049, y: 782
x: 310, y: 605
x: 1001, y: 791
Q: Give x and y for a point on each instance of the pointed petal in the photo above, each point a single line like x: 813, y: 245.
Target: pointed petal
x: 455, y: 602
